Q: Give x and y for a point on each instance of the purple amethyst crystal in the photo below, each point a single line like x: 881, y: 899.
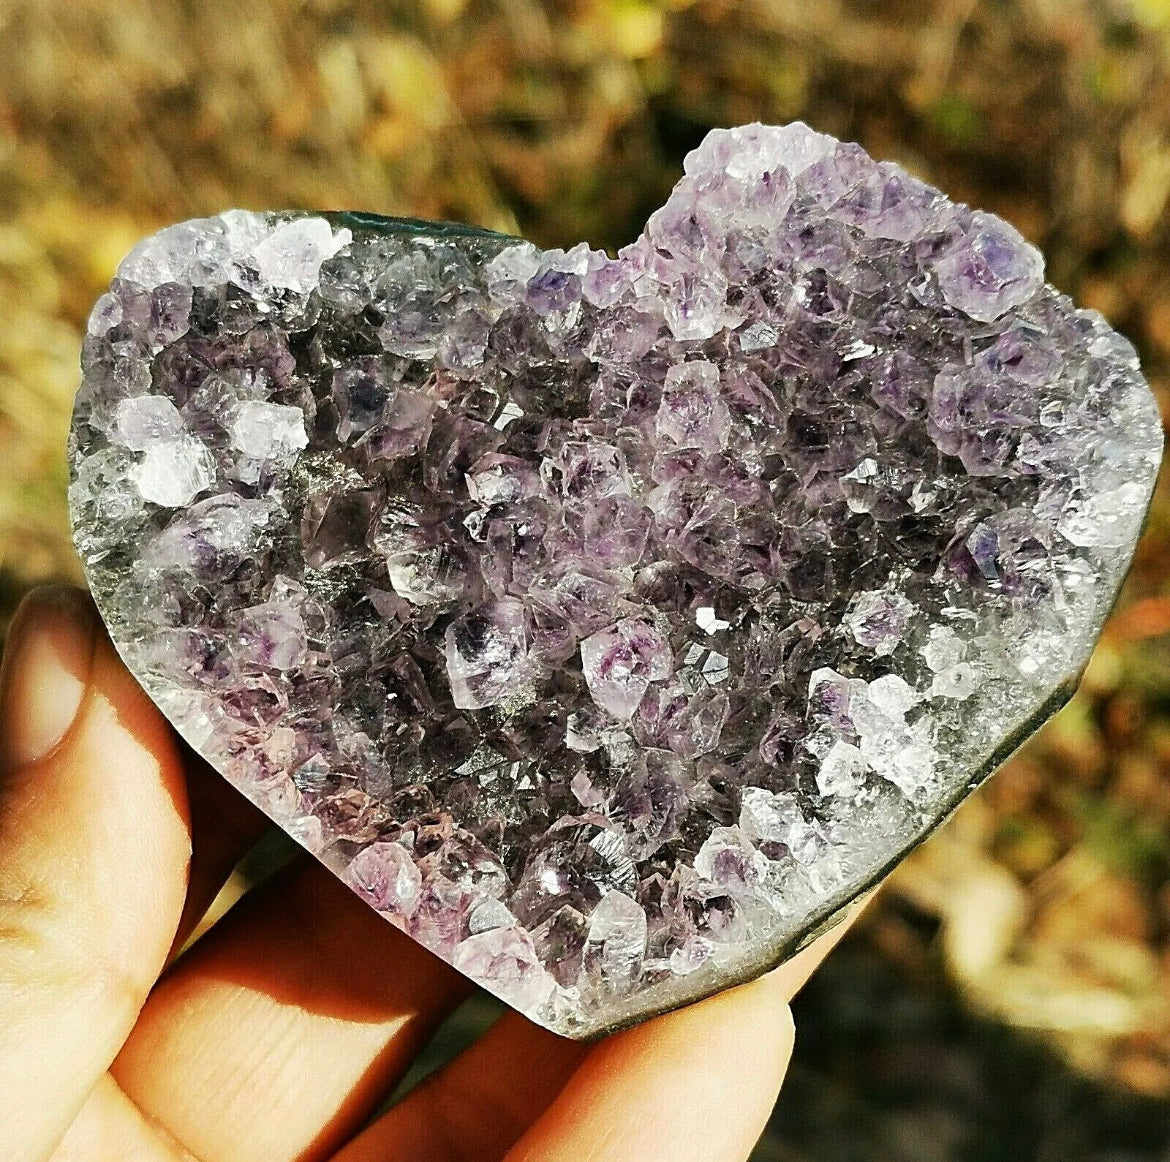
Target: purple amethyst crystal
x: 609, y: 623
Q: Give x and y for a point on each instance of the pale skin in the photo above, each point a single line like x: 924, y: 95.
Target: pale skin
x: 277, y: 1036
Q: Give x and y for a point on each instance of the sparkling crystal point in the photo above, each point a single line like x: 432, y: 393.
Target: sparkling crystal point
x: 609, y: 623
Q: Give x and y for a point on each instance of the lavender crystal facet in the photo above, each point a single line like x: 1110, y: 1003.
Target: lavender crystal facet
x: 608, y: 624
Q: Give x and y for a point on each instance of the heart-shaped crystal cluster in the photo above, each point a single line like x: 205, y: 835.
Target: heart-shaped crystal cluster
x: 609, y: 623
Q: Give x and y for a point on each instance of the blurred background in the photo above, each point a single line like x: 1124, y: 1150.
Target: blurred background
x: 1008, y: 995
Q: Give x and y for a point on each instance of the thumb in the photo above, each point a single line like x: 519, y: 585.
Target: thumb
x: 93, y: 862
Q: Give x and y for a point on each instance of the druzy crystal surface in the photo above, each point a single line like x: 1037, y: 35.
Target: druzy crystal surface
x: 609, y: 623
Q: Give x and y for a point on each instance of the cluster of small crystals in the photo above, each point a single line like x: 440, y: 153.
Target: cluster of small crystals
x: 608, y: 623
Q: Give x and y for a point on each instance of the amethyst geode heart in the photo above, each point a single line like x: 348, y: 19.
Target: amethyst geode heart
x: 608, y: 624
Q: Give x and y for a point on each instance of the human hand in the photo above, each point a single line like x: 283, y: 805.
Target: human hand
x: 277, y: 1035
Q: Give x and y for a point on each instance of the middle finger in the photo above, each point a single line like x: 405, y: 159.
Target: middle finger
x: 277, y: 1034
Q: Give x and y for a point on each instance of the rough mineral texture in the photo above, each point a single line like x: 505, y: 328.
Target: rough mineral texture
x: 609, y: 623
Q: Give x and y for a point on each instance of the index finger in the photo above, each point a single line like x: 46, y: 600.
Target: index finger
x: 93, y: 863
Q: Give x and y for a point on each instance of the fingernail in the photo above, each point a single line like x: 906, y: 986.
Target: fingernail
x: 46, y: 669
